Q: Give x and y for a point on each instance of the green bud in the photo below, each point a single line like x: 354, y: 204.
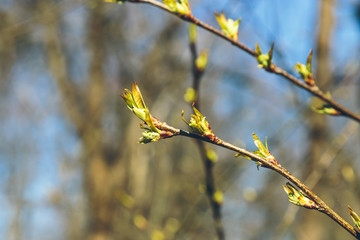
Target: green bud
x: 264, y: 60
x: 149, y: 136
x: 218, y: 197
x: 298, y: 198
x: 192, y: 33
x: 190, y: 95
x: 355, y: 218
x: 199, y: 125
x: 134, y: 101
x: 202, y: 60
x: 305, y: 71
x: 211, y: 155
x: 263, y: 151
x: 326, y: 109
x: 228, y: 26
x: 178, y: 6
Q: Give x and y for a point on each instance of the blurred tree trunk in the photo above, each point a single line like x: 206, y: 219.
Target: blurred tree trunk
x: 85, y: 110
x: 318, y: 126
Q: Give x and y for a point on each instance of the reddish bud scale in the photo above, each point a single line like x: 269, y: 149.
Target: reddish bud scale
x: 272, y: 160
x: 310, y: 204
x: 211, y: 136
x: 310, y: 80
x: 166, y: 134
x: 270, y: 68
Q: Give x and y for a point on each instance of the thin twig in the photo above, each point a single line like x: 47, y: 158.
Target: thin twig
x: 323, y: 163
x: 322, y: 207
x: 314, y: 90
x: 282, y: 171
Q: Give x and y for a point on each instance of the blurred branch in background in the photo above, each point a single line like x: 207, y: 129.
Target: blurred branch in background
x: 209, y: 157
x: 318, y: 125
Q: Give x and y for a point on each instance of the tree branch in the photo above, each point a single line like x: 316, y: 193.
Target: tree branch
x: 314, y: 90
x: 282, y: 171
x: 207, y: 162
x: 322, y: 206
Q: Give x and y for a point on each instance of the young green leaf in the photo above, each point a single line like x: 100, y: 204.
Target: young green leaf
x: 199, y: 125
x: 327, y: 109
x: 134, y: 101
x: 178, y: 6
x: 265, y: 60
x: 136, y: 104
x: 355, y: 218
x: 298, y: 198
x: 228, y: 26
x: 305, y: 71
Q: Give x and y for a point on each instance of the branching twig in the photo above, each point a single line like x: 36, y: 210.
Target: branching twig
x: 156, y: 130
x: 314, y: 90
x: 166, y: 131
x: 201, y: 131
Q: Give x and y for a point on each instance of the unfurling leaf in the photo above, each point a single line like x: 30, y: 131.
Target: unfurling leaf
x: 305, y: 71
x: 149, y: 136
x: 322, y: 107
x: 265, y: 60
x: 199, y: 125
x: 228, y: 26
x: 264, y: 150
x: 178, y: 6
x: 149, y: 122
x: 309, y: 61
x: 298, y: 198
x: 327, y: 109
x: 242, y: 155
x: 135, y: 102
x: 355, y: 218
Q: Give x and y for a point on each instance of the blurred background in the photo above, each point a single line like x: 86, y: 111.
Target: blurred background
x: 70, y: 164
